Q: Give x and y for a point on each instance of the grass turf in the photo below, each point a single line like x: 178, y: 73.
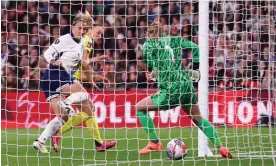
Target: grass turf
x: 250, y: 146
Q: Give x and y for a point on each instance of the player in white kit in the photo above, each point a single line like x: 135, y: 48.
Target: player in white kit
x: 64, y: 57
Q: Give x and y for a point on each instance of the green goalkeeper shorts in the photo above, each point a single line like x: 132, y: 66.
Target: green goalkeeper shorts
x: 175, y: 95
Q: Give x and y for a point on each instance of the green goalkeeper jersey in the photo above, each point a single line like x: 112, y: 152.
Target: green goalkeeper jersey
x: 165, y: 57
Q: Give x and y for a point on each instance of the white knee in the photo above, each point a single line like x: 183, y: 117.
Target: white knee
x: 77, y: 97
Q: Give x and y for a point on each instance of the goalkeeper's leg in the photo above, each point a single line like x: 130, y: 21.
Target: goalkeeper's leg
x: 207, y: 128
x: 142, y: 108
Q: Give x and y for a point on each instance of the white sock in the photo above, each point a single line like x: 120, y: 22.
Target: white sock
x: 77, y: 97
x: 52, y: 127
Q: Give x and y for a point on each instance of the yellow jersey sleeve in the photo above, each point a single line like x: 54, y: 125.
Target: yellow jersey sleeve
x: 87, y: 45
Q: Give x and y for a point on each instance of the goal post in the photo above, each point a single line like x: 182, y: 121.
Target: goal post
x: 203, y: 86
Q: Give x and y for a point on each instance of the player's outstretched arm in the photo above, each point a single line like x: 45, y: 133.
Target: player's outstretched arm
x: 86, y: 69
x: 95, y: 78
x: 98, y: 59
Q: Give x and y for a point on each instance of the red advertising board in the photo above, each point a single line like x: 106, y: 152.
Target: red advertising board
x: 115, y: 109
x: 240, y: 108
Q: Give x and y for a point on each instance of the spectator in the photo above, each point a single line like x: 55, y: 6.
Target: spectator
x: 187, y: 13
x: 239, y: 79
x: 64, y: 25
x: 131, y: 78
x: 111, y: 17
x: 242, y: 37
x: 121, y: 80
x: 175, y: 26
x: 4, y: 56
x: 111, y: 74
x: 268, y: 75
x: 9, y: 78
x: 224, y: 79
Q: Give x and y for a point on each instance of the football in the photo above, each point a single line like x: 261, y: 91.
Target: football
x: 176, y: 149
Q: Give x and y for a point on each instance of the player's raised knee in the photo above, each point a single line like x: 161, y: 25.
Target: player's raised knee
x: 77, y: 97
x: 83, y: 95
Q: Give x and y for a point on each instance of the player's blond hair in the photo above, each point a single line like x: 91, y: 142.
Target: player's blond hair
x: 79, y: 17
x: 154, y: 29
x: 90, y: 21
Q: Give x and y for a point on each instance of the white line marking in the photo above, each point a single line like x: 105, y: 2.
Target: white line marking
x: 123, y: 162
x: 237, y: 156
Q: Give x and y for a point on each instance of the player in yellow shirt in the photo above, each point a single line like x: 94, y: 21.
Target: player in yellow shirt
x: 91, y: 123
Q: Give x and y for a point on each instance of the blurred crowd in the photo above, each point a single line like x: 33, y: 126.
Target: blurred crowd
x: 242, y: 39
x: 242, y: 44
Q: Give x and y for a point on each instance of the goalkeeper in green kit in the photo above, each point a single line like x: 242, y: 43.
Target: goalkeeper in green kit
x: 162, y: 54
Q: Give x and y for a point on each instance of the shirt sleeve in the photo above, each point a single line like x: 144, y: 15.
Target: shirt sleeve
x: 58, y: 45
x: 61, y: 44
x: 49, y: 54
x: 147, y: 54
x: 56, y: 49
x: 87, y: 44
x: 194, y: 47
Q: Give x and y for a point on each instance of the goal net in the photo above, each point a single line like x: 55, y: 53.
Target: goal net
x: 236, y: 92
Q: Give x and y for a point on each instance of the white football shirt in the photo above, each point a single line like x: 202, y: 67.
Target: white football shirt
x: 68, y: 51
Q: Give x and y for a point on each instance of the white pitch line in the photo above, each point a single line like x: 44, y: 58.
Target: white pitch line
x: 124, y: 162
x: 236, y: 156
x: 256, y: 156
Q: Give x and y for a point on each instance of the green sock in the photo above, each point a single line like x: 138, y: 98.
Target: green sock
x: 148, y: 125
x: 209, y: 130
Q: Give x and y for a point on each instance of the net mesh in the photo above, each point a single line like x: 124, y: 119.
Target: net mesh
x: 242, y: 80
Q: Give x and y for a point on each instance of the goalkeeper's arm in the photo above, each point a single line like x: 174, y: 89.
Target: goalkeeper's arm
x: 150, y: 74
x: 194, y: 74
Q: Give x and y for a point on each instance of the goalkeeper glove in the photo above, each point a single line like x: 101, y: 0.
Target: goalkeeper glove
x: 150, y: 74
x: 194, y: 75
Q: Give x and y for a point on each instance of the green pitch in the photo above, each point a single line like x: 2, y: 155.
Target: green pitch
x: 250, y: 146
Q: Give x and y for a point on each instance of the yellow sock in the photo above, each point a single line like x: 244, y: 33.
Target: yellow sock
x: 93, y: 129
x: 73, y: 121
